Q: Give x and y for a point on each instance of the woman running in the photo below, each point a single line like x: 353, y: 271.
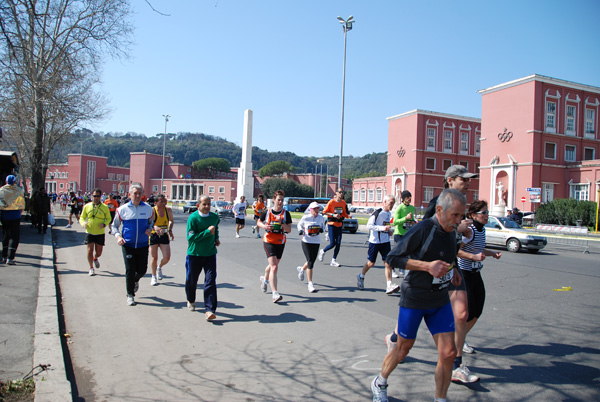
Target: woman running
x: 310, y: 227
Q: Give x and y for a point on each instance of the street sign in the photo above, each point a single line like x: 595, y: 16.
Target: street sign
x: 523, y: 199
x: 534, y: 189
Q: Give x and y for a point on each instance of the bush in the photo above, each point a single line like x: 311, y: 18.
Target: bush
x: 567, y: 211
x: 289, y: 187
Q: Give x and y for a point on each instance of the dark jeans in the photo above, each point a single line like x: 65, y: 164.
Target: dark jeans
x: 11, y: 236
x: 193, y: 267
x: 136, y: 265
x: 40, y: 221
x: 335, y: 240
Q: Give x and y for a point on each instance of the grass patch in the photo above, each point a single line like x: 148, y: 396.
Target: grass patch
x: 17, y: 391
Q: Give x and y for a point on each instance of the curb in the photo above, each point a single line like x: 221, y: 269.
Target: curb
x: 51, y: 383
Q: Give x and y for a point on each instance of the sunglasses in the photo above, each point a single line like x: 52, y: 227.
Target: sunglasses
x: 483, y: 212
x: 96, y: 195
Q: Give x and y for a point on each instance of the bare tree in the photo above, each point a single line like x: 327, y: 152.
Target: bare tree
x: 50, y: 62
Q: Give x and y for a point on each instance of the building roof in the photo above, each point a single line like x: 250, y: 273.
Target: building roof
x: 435, y: 114
x: 541, y: 78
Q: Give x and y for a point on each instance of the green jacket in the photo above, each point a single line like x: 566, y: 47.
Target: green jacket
x: 200, y: 242
x: 95, y: 215
x: 400, y: 218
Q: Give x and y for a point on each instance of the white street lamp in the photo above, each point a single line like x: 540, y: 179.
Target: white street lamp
x: 346, y: 26
x: 162, y: 177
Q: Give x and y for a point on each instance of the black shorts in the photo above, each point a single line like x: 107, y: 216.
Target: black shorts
x: 240, y: 221
x: 75, y: 211
x: 97, y: 239
x: 156, y: 239
x: 274, y: 250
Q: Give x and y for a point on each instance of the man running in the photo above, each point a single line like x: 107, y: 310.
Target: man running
x: 239, y: 211
x: 428, y: 252
x: 379, y: 243
x: 404, y: 219
x: 162, y: 233
x: 94, y: 219
x: 259, y: 207
x: 335, y: 211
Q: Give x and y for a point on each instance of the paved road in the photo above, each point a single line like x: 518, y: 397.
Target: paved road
x: 533, y: 343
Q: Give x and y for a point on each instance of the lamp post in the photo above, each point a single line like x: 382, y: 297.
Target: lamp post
x: 346, y: 26
x: 162, y: 177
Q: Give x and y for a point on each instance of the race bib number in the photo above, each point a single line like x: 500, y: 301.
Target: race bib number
x: 339, y: 210
x: 313, y: 230
x: 276, y: 227
x: 444, y: 281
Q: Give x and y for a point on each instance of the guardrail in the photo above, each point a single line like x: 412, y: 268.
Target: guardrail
x: 566, y: 236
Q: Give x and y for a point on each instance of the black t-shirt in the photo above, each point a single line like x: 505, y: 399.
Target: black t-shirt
x: 426, y: 241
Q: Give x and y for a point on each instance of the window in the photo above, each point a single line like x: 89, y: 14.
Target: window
x: 446, y: 163
x: 589, y: 154
x: 590, y: 117
x: 164, y: 190
x: 476, y: 171
x: 371, y: 194
x: 61, y: 185
x: 430, y: 163
x: 221, y: 190
x: 570, y: 153
x: 464, y: 163
x: 427, y: 194
x: 464, y: 143
x: 547, y: 192
x: 378, y: 195
x: 363, y: 194
x: 579, y: 191
x: 229, y: 175
x: 571, y: 112
x: 355, y: 195
x: 211, y: 189
x: 120, y: 177
x: 477, y: 144
x: 447, y: 141
x: 111, y: 176
x: 126, y: 177
x: 154, y: 189
x: 431, y: 139
x: 475, y: 195
x: 114, y: 187
x: 550, y: 150
x: 551, y: 116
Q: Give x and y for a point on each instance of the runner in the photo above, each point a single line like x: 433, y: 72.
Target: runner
x: 112, y: 205
x: 203, y: 240
x: 429, y: 252
x: 94, y: 218
x: 74, y: 204
x: 259, y: 207
x: 404, y: 219
x: 379, y: 243
x: 335, y: 211
x: 239, y: 210
x: 161, y: 232
x: 276, y: 222
x: 310, y: 227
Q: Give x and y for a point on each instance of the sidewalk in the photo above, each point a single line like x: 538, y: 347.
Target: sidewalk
x: 29, y: 329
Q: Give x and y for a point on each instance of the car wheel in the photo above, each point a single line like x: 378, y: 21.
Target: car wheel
x: 533, y: 250
x: 513, y: 245
x: 297, y: 210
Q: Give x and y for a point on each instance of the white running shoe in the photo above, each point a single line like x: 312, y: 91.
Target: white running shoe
x: 153, y: 281
x: 97, y: 263
x: 379, y: 391
x: 311, y: 287
x: 130, y: 301
x: 92, y: 272
x: 68, y: 226
x: 334, y: 263
x: 253, y: 229
x: 395, y: 274
x: 237, y: 236
x: 300, y: 273
x: 468, y: 349
x: 277, y: 297
x: 392, y: 288
x: 159, y: 274
x: 321, y: 255
x: 360, y: 281
x: 263, y: 284
x: 463, y: 374
x: 191, y: 306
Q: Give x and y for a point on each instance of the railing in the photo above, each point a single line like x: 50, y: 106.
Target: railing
x: 566, y: 236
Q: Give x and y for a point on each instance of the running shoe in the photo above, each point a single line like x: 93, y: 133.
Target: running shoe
x: 97, y: 263
x: 392, y: 288
x: 210, y: 316
x: 263, y: 284
x: 258, y: 235
x: 379, y: 391
x: 311, y: 287
x: 159, y: 274
x: 388, y: 342
x: 468, y: 349
x: 191, y: 306
x: 463, y: 374
x: 321, y: 255
x: 130, y: 301
x: 92, y: 272
x: 10, y: 262
x: 360, y: 281
x: 300, y: 273
x: 395, y: 274
x: 237, y: 236
x: 253, y: 229
x: 153, y: 281
x: 68, y: 226
x: 334, y: 263
x: 277, y: 297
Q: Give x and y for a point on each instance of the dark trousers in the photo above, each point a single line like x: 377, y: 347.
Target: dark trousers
x: 311, y: 251
x: 335, y: 240
x: 11, y: 236
x: 41, y: 222
x: 193, y: 267
x: 136, y: 265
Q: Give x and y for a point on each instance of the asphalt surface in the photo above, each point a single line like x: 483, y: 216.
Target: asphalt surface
x: 532, y: 343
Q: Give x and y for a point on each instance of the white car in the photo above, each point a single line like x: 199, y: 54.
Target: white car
x: 501, y: 231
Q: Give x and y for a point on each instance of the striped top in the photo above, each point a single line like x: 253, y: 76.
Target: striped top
x: 473, y: 245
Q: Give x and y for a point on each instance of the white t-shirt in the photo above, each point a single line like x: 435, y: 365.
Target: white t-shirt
x: 239, y: 210
x: 377, y: 232
x: 311, y: 227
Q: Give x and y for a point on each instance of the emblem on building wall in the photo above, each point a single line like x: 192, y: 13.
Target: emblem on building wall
x: 505, y: 136
x: 401, y: 152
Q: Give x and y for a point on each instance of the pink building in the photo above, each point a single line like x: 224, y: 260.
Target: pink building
x: 539, y: 133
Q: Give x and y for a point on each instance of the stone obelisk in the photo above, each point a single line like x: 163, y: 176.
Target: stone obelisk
x: 245, y: 180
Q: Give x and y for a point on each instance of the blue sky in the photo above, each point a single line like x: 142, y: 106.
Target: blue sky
x: 211, y: 59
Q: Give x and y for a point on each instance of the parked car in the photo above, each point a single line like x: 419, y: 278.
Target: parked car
x: 501, y: 231
x: 190, y: 206
x: 349, y: 224
x: 222, y: 208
